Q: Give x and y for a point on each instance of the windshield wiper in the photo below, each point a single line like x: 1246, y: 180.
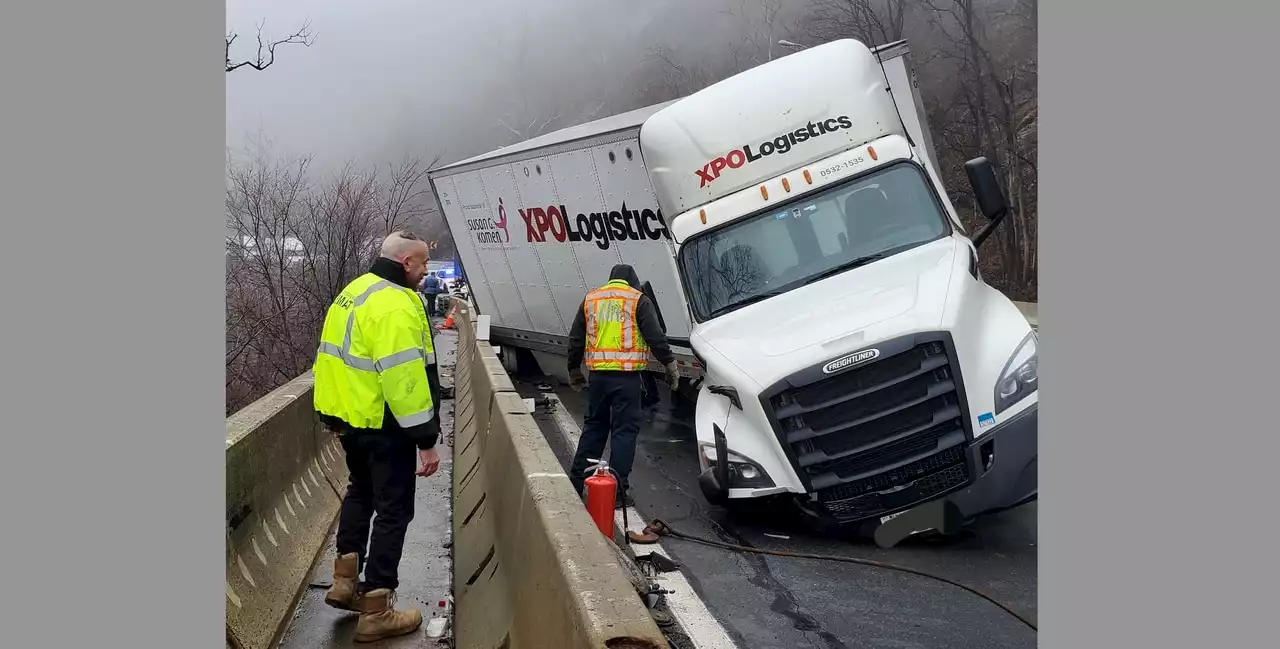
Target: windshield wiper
x: 848, y: 265
x: 744, y: 302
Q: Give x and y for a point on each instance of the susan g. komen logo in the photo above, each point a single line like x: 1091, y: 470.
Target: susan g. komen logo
x: 490, y: 232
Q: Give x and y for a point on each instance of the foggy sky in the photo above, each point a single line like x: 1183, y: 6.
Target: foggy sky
x: 387, y: 78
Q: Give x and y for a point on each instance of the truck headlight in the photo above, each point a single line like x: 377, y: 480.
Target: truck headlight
x: 1019, y: 377
x: 743, y: 472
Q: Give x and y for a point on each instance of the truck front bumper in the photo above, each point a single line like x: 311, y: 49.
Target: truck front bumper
x: 1006, y: 461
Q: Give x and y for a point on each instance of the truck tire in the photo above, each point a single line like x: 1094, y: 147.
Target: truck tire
x: 510, y: 358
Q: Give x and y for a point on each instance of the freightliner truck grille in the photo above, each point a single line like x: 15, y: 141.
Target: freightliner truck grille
x: 881, y: 436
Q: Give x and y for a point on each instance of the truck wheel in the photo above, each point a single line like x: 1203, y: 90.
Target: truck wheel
x: 510, y: 357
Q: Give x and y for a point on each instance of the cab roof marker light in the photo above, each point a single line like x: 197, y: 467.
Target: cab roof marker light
x: 808, y: 178
x: 764, y: 192
x: 872, y: 152
x: 786, y: 185
x: 702, y: 214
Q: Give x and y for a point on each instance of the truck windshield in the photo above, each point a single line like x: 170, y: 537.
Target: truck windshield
x: 843, y: 227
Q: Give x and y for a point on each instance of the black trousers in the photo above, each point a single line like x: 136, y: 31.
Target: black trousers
x: 431, y: 303
x: 613, y: 415
x: 382, y: 467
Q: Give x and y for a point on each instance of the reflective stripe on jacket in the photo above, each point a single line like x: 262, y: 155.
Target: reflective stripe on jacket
x: 614, y: 342
x: 374, y: 348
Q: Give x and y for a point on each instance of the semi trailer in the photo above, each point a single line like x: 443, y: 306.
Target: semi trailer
x: 818, y: 287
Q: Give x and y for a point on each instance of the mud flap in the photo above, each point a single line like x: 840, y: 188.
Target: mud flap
x: 714, y: 481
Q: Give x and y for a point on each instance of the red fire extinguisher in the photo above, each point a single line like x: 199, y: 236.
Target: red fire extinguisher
x: 602, y: 492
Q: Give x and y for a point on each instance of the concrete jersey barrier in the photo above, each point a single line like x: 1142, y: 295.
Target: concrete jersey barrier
x: 530, y: 568
x: 285, y: 476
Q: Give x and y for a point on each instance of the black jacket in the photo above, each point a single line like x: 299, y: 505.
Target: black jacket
x: 423, y: 435
x: 646, y: 321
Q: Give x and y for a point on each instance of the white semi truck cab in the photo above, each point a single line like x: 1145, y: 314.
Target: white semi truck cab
x: 853, y: 357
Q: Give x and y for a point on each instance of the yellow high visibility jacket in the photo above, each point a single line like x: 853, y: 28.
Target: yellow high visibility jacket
x: 373, y: 353
x: 614, y: 342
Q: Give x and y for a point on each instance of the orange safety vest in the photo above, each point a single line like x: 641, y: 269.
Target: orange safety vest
x: 614, y: 342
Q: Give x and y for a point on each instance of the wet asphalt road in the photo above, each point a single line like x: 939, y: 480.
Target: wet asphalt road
x: 793, y: 603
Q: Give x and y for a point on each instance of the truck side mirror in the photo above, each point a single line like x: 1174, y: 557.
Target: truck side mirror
x: 986, y: 189
x: 988, y: 194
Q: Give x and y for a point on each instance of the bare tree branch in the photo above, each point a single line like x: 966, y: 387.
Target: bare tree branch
x: 304, y: 36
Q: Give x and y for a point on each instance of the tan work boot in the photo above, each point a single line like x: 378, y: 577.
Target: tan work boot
x: 343, y: 594
x: 379, y: 619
